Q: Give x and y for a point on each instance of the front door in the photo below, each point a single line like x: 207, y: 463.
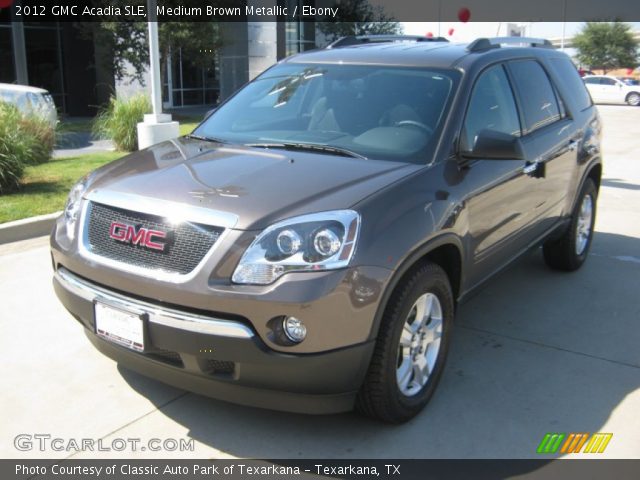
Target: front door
x: 501, y: 194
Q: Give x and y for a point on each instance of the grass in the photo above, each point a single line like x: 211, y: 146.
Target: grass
x: 186, y: 128
x: 45, y: 187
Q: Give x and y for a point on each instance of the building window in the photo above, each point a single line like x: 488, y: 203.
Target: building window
x: 7, y: 72
x: 187, y: 84
x: 44, y: 59
x: 299, y: 36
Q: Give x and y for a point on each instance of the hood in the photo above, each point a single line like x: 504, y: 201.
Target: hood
x: 258, y: 186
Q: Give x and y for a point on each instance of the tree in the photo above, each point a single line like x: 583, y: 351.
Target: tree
x: 359, y: 17
x: 127, y: 41
x: 606, y: 46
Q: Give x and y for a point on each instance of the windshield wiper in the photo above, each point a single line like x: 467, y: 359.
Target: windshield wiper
x: 310, y: 147
x: 205, y: 139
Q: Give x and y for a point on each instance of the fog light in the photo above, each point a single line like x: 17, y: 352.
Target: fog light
x: 294, y: 329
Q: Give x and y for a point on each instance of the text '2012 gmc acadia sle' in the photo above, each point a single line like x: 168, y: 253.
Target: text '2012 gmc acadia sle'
x: 305, y: 248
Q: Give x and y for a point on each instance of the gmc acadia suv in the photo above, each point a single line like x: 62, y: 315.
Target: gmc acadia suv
x: 306, y: 247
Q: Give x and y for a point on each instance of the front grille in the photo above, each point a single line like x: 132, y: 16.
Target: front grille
x: 186, y: 243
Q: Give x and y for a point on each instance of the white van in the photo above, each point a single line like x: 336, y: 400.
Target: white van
x: 30, y: 100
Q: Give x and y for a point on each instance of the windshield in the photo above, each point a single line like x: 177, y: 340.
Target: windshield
x: 377, y: 112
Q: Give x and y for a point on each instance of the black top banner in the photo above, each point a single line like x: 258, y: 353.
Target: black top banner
x: 316, y: 10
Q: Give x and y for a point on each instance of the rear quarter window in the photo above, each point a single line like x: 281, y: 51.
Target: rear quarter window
x: 575, y: 91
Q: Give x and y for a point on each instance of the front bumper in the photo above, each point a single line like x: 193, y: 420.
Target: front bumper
x: 222, y: 358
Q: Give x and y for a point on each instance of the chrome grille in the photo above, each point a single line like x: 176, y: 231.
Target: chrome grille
x: 186, y: 243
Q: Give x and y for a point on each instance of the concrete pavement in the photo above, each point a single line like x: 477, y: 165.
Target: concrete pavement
x: 72, y: 144
x: 535, y: 351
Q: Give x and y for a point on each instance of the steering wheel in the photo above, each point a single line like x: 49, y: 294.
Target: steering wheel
x: 413, y: 123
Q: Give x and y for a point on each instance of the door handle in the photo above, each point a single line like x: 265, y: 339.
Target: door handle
x: 534, y: 169
x: 530, y: 167
x: 573, y: 145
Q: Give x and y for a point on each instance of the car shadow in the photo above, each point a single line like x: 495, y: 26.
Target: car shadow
x: 617, y: 183
x: 529, y: 356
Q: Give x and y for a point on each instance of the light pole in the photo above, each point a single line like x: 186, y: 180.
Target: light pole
x: 157, y: 126
x: 154, y: 64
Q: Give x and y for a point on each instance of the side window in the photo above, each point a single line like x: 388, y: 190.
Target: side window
x: 607, y: 81
x: 491, y: 107
x: 592, y: 80
x: 539, y: 103
x: 34, y: 100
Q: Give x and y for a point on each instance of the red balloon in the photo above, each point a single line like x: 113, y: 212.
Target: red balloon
x: 451, y: 30
x: 5, y: 3
x: 629, y: 71
x: 429, y: 35
x: 464, y: 14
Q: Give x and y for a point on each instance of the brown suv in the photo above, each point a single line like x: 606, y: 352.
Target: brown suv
x: 305, y: 248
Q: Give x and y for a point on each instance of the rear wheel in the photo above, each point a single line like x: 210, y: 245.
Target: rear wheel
x: 570, y: 251
x: 633, y: 99
x: 411, y: 347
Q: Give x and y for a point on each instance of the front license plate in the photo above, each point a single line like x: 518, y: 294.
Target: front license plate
x: 119, y: 326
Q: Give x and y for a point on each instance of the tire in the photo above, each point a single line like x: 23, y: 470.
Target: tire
x: 569, y: 252
x: 381, y: 395
x: 633, y: 99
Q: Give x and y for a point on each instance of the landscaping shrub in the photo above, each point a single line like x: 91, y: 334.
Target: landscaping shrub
x: 118, y: 121
x: 43, y: 137
x: 24, y: 140
x: 11, y: 168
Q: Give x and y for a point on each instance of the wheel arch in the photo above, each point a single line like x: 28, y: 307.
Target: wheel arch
x: 595, y: 174
x: 446, y: 251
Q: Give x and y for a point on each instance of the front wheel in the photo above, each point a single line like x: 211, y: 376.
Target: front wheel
x: 411, y: 347
x: 570, y: 251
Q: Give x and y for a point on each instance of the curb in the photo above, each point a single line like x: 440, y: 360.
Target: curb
x: 27, y: 228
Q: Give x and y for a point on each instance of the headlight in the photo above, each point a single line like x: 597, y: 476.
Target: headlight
x: 316, y: 242
x: 72, y: 207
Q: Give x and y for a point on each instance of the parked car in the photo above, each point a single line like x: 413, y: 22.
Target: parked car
x: 629, y: 81
x: 306, y: 247
x: 30, y: 101
x: 608, y: 89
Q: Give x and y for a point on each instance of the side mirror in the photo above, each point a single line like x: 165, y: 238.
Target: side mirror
x: 494, y: 145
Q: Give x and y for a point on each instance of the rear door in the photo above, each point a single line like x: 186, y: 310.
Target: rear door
x: 611, y: 90
x: 553, y: 139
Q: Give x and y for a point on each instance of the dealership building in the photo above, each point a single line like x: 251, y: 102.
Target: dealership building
x: 65, y: 60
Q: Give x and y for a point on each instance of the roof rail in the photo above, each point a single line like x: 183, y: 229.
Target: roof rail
x: 496, y: 42
x: 363, y: 39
